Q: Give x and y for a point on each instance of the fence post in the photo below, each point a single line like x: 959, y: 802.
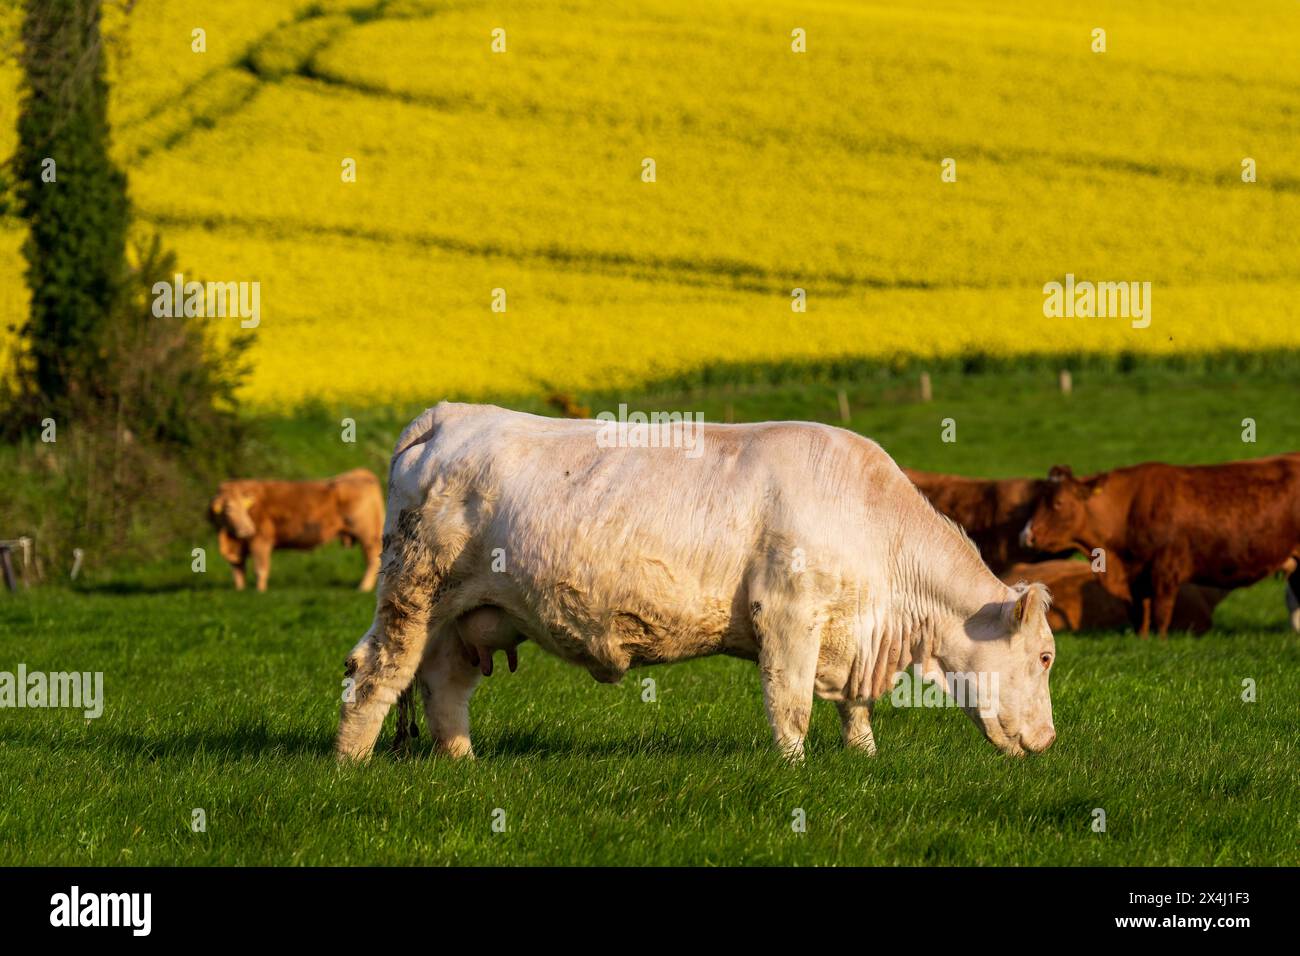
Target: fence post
x: 7, y: 567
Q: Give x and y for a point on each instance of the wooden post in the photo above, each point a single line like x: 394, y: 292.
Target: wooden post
x: 927, y: 394
x: 7, y: 567
x: 8, y: 574
x: 1067, y: 383
x: 844, y: 407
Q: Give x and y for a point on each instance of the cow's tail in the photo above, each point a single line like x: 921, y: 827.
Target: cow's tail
x: 424, y: 427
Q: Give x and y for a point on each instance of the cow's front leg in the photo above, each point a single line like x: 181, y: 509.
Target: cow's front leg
x: 262, y: 562
x: 1144, y: 618
x: 1293, y: 600
x: 1139, y: 610
x: 787, y: 661
x: 855, y: 725
x: 235, y: 551
x: 448, y: 679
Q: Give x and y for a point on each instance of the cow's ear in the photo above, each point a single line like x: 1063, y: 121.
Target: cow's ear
x: 218, y: 505
x: 1033, y: 601
x: 1061, y: 473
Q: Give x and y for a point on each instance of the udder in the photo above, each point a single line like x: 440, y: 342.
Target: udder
x: 484, y: 631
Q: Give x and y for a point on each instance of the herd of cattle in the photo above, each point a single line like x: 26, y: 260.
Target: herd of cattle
x: 799, y: 546
x: 1165, y: 543
x: 1176, y: 539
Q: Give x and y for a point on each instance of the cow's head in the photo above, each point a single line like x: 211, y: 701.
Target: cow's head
x: 1061, y: 519
x: 1007, y: 653
x: 228, y: 512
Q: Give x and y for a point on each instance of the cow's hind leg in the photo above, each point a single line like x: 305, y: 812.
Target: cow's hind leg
x: 1164, y: 585
x: 448, y: 680
x: 384, y: 663
x: 787, y: 661
x: 380, y: 669
x: 372, y: 567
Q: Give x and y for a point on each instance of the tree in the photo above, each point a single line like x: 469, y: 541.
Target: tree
x: 146, y: 406
x: 73, y: 198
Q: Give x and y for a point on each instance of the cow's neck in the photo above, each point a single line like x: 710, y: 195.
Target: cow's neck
x: 940, y: 584
x: 1108, y: 526
x: 1103, y: 533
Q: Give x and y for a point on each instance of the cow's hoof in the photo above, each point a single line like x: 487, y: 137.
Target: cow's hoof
x: 792, y: 752
x: 457, y: 748
x: 862, y: 745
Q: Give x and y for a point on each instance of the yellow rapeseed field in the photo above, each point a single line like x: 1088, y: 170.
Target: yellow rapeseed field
x: 522, y: 170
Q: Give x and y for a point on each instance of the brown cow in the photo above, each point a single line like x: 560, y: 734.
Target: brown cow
x: 992, y: 512
x: 1081, y: 603
x: 258, y: 516
x: 1162, y: 526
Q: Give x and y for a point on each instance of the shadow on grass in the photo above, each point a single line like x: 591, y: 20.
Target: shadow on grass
x: 135, y: 588
x: 141, y: 587
x: 540, y: 743
x: 251, y: 740
x: 261, y: 740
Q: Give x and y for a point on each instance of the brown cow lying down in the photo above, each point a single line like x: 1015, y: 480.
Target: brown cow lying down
x: 1080, y: 603
x: 992, y: 512
x: 255, y: 517
x: 1163, y: 526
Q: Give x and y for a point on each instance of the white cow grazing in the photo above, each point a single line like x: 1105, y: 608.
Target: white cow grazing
x: 799, y: 546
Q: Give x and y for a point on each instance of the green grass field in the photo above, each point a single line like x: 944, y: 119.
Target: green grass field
x: 228, y: 702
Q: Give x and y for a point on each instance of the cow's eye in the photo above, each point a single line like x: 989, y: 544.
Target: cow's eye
x: 1046, y: 660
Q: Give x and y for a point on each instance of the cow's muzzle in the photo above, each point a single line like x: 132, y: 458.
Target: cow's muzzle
x: 1041, y: 744
x: 1027, y: 534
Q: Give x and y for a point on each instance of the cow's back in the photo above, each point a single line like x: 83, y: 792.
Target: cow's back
x: 992, y: 511
x: 303, y: 513
x: 1232, y: 523
x: 684, y: 527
